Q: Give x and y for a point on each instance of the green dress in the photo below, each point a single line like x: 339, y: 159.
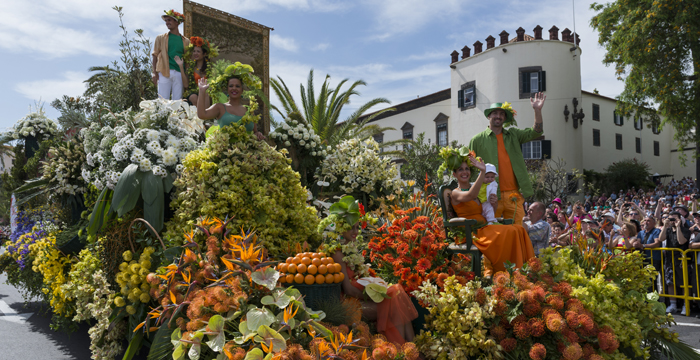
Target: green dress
x: 229, y: 118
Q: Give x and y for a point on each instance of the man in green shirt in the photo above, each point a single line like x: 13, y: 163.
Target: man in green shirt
x: 502, y: 147
x: 168, y: 51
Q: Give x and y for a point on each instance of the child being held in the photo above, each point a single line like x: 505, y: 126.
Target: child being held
x: 490, y: 186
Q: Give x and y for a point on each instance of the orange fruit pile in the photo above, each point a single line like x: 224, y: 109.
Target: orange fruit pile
x: 310, y: 268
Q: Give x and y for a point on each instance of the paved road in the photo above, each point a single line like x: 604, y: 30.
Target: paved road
x: 25, y: 331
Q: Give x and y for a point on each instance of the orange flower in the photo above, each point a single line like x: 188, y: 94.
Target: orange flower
x: 413, y: 281
x: 423, y: 265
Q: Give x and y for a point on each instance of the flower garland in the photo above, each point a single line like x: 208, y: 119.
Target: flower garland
x: 302, y: 137
x: 453, y: 159
x: 244, y: 72
x: 210, y: 52
x: 35, y: 124
x: 157, y: 139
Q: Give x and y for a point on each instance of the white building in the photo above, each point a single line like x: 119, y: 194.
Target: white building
x: 580, y: 127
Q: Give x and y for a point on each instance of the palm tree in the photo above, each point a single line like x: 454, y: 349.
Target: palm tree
x: 323, y: 110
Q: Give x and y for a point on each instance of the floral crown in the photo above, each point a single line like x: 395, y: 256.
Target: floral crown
x: 211, y: 50
x: 237, y: 70
x: 175, y: 15
x: 453, y: 159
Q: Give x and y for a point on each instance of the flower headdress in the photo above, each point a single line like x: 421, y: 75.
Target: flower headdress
x: 173, y: 14
x: 211, y: 50
x: 508, y: 108
x: 453, y: 159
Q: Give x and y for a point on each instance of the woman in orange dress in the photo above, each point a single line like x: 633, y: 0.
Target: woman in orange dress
x: 498, y: 243
x: 393, y: 315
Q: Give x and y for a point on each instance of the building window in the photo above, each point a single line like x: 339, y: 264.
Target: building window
x: 531, y: 80
x: 638, y: 123
x: 596, y: 137
x: 655, y: 128
x: 407, y: 131
x: 619, y: 120
x: 379, y: 137
x: 618, y: 141
x: 466, y: 97
x: 656, y: 148
x: 441, y: 129
x: 596, y: 112
x: 638, y: 145
x: 532, y: 150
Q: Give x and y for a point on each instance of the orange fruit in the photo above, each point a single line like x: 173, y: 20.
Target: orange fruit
x: 320, y: 279
x: 322, y: 269
x: 289, y: 278
x: 299, y: 278
x: 316, y: 261
x: 296, y: 260
x: 292, y: 268
x: 283, y: 267
x: 329, y: 260
x: 312, y: 269
x: 338, y: 277
x: 309, y: 279
x: 301, y: 268
x: 329, y: 278
x: 289, y: 260
x: 306, y: 260
x: 338, y: 267
x: 283, y: 278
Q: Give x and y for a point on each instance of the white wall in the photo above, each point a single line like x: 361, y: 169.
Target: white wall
x: 421, y: 118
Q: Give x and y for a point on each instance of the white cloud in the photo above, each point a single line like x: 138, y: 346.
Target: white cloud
x: 70, y: 83
x: 321, y: 47
x: 284, y: 43
x: 394, y: 17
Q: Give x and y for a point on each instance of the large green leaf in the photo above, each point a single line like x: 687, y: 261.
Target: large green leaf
x: 30, y: 184
x: 278, y: 298
x: 267, y: 278
x: 23, y: 199
x: 127, y: 190
x: 196, y: 348
x: 376, y: 292
x: 153, y: 199
x: 167, y: 183
x: 134, y: 346
x: 255, y: 354
x: 271, y: 338
x: 99, y: 212
x: 216, y: 341
x: 258, y: 317
x: 162, y: 347
x: 246, y: 334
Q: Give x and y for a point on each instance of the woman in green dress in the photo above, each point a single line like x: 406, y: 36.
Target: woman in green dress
x: 226, y: 113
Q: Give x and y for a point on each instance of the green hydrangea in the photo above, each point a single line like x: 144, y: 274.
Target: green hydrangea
x: 236, y: 176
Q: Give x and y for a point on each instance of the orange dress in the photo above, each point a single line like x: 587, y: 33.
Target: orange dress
x: 499, y: 243
x: 392, y: 313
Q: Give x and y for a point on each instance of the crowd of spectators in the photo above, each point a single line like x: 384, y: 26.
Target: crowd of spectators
x: 633, y: 220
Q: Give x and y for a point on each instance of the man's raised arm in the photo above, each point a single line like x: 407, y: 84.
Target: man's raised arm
x: 537, y: 104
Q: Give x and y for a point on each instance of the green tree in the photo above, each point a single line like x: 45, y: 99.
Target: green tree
x: 423, y: 158
x: 655, y: 47
x: 550, y: 179
x: 622, y: 175
x: 323, y: 110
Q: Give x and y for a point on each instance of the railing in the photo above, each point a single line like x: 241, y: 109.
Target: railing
x: 687, y: 260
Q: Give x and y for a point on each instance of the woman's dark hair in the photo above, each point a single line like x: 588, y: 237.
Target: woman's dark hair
x: 558, y: 225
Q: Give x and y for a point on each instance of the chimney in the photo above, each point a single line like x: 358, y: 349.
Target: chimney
x: 504, y: 37
x: 578, y: 39
x: 538, y: 32
x: 566, y: 35
x: 521, y: 34
x: 490, y: 42
x: 477, y: 47
x: 465, y: 52
x: 554, y: 33
x: 455, y: 56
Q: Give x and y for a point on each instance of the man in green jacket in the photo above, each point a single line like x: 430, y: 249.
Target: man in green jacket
x: 502, y: 147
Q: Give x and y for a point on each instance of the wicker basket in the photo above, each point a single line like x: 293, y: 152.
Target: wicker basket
x: 316, y: 293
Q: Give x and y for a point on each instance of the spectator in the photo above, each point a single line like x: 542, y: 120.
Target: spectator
x: 538, y: 229
x: 557, y: 205
x: 685, y: 214
x: 648, y: 239
x: 551, y: 218
x: 168, y: 50
x: 674, y: 235
x: 694, y: 258
x: 579, y: 213
x: 559, y: 235
x: 608, y: 229
x: 626, y: 237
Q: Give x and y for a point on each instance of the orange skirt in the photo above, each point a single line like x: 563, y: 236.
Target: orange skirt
x: 501, y: 243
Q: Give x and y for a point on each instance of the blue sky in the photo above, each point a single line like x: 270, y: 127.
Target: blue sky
x: 399, y: 47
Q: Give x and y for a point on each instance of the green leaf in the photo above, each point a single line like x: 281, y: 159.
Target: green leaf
x: 376, y: 292
x: 258, y: 317
x: 196, y: 348
x: 255, y: 354
x: 134, y: 346
x: 271, y: 338
x: 127, y: 190
x: 167, y: 183
x: 97, y: 216
x: 161, y: 346
x: 30, y: 184
x: 153, y: 200
x: 170, y: 254
x: 278, y: 298
x: 267, y: 278
x: 246, y: 334
x: 216, y: 341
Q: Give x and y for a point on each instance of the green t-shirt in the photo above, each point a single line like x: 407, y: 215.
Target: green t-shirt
x: 175, y: 48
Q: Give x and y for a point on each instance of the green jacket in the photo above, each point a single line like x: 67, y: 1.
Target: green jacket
x: 485, y: 144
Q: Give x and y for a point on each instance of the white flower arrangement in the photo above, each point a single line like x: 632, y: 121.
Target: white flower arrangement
x: 358, y: 167
x: 157, y: 139
x: 35, y: 124
x: 301, y: 136
x: 63, y: 168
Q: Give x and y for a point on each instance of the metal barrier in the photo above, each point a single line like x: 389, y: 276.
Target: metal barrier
x: 687, y: 260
